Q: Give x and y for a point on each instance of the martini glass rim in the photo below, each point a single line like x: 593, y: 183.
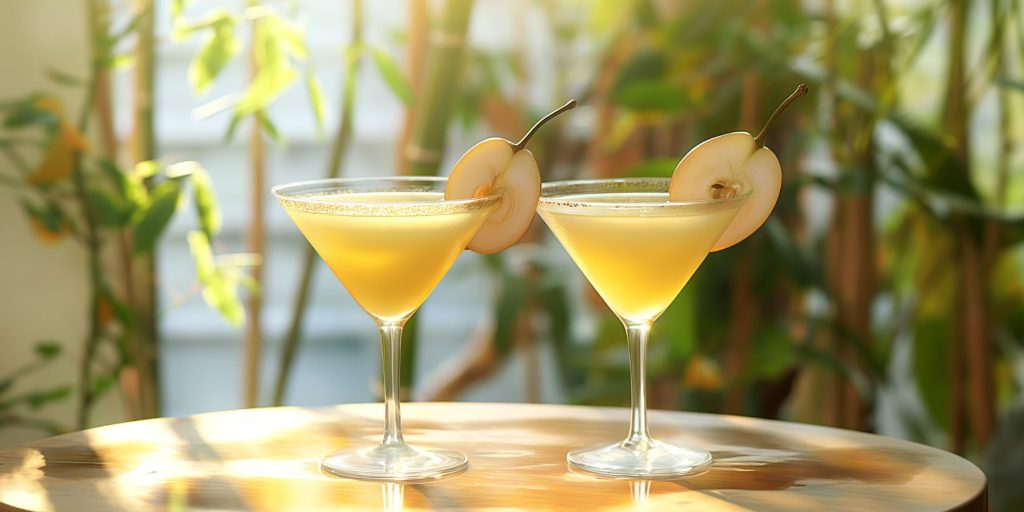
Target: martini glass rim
x: 571, y: 195
x: 311, y: 193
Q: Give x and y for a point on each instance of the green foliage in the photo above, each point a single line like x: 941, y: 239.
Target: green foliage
x: 279, y: 57
x: 12, y: 403
x: 932, y: 369
x: 393, y: 76
x: 207, y: 209
x: 678, y: 325
x: 62, y: 78
x: 511, y: 296
x: 221, y: 45
x: 316, y: 98
x: 272, y: 44
x: 152, y: 218
x: 220, y: 282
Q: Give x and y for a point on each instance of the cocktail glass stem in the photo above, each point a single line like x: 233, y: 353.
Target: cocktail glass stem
x: 636, y: 338
x: 393, y: 459
x: 391, y: 360
x: 639, y: 455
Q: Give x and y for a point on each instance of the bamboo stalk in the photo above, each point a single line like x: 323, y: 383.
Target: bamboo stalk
x: 415, y: 51
x: 743, y: 300
x: 526, y: 336
x: 339, y: 148
x: 104, y: 107
x: 437, y: 93
x: 256, y: 244
x: 834, y: 246
x: 89, y: 234
x: 859, y: 272
x: 104, y: 111
x: 429, y: 134
x: 145, y: 338
x: 993, y: 233
x: 973, y: 314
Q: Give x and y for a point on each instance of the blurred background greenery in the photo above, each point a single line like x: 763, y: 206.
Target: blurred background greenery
x: 884, y: 294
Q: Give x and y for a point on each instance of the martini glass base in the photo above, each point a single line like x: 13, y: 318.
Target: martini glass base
x: 394, y: 462
x: 646, y: 458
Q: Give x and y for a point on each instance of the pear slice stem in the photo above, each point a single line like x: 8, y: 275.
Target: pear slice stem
x: 759, y: 139
x: 569, y: 105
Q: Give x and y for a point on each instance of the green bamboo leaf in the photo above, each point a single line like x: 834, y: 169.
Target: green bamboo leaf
x: 24, y: 114
x: 63, y: 78
x: 116, y: 177
x: 1011, y: 84
x: 645, y: 66
x: 657, y: 96
x: 49, y: 217
x: 110, y: 211
x: 316, y: 99
x: 178, y: 7
x: 207, y: 208
x: 506, y: 311
x: 47, y: 349
x: 124, y: 314
x: 265, y: 88
x: 236, y: 119
x: 222, y: 296
x: 37, y: 399
x: 151, y: 221
x: 269, y: 128
x: 393, y: 75
x: 102, y: 384
x: 931, y: 359
x: 145, y: 169
x: 202, y: 255
x: 274, y: 74
x: 290, y: 36
x: 220, y: 288
x: 217, y: 51
x: 773, y: 350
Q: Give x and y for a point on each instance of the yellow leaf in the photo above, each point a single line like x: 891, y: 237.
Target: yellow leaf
x: 104, y: 311
x: 59, y: 159
x: 56, y: 165
x: 43, y: 233
x: 702, y: 373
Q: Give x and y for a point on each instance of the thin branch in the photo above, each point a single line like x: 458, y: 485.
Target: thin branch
x: 339, y: 149
x: 89, y: 234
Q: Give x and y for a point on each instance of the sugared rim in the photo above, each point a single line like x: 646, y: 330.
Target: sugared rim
x: 307, y: 196
x: 553, y: 196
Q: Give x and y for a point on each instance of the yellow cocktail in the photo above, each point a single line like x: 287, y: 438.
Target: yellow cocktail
x: 638, y: 259
x: 392, y: 254
x: 389, y: 241
x: 638, y: 250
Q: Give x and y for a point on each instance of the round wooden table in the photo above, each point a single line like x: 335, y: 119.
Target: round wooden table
x: 267, y: 459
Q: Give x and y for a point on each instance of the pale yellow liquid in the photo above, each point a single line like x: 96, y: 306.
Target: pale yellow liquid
x: 389, y: 256
x: 638, y: 261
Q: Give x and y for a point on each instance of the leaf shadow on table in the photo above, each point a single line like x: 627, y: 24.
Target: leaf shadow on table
x: 744, y: 458
x: 25, y: 472
x: 763, y: 460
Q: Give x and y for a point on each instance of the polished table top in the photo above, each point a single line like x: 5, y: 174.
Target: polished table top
x: 267, y: 459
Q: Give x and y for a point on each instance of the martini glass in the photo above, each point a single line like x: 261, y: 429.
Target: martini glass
x: 638, y: 250
x: 389, y: 241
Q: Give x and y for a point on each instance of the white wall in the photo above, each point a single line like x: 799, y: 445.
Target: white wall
x: 43, y: 288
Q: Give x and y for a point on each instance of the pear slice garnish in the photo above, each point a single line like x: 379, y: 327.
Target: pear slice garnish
x: 498, y: 166
x: 730, y: 165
